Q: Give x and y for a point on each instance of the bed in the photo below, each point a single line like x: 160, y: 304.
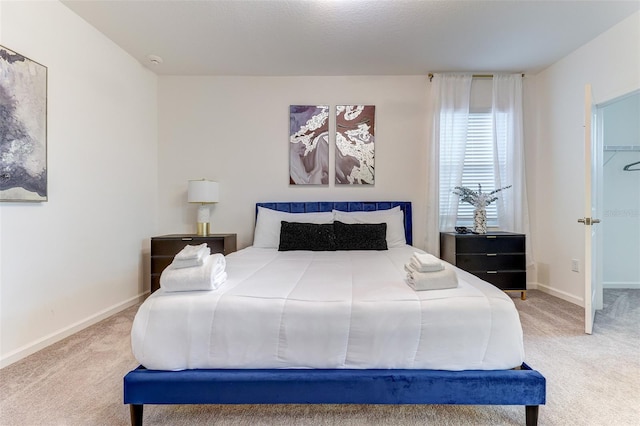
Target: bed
x: 388, y: 344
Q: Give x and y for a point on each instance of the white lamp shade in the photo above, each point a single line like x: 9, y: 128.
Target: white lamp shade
x: 203, y: 191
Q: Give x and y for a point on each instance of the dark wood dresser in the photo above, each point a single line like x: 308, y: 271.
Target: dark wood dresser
x: 165, y: 247
x: 496, y: 257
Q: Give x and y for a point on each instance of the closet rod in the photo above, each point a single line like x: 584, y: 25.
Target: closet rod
x: 430, y: 75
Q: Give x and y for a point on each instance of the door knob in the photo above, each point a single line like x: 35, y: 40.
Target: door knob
x: 588, y: 221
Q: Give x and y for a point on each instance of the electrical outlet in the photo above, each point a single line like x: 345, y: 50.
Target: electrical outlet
x: 575, y: 265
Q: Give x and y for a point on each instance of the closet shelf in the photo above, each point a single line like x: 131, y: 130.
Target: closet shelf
x: 619, y: 148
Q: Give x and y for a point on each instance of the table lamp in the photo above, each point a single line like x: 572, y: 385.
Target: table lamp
x: 203, y: 192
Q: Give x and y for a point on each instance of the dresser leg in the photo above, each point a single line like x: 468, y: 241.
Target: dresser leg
x: 523, y: 295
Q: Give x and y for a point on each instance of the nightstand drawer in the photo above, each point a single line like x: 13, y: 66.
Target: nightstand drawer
x: 164, y: 248
x: 505, y: 280
x: 490, y: 244
x: 159, y: 263
x: 171, y: 246
x: 490, y: 262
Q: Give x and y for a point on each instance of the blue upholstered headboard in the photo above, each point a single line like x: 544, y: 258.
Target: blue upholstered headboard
x: 345, y: 206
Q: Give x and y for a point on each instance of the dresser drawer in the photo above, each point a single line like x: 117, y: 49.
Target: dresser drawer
x: 490, y: 262
x: 490, y: 244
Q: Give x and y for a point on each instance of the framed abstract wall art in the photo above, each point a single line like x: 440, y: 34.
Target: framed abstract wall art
x: 309, y: 144
x: 355, y: 144
x: 23, y: 128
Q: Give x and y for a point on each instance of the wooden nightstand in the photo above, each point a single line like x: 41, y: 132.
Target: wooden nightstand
x: 165, y: 247
x: 496, y: 257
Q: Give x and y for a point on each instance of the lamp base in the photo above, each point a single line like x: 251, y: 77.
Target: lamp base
x: 203, y: 229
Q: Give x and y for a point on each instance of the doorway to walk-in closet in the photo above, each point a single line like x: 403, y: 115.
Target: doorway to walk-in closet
x: 618, y: 124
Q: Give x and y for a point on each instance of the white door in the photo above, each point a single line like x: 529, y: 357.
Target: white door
x: 590, y: 290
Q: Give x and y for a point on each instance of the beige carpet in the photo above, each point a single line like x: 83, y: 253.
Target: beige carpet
x: 591, y: 380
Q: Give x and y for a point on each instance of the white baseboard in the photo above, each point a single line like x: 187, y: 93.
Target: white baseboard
x: 557, y: 293
x: 578, y: 300
x: 621, y: 284
x: 56, y: 336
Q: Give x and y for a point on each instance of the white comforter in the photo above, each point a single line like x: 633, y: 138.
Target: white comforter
x: 344, y: 309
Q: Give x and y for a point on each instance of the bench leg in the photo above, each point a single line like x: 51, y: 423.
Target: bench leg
x: 136, y: 414
x: 532, y: 415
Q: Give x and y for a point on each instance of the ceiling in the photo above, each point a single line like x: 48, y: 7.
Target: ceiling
x: 350, y: 37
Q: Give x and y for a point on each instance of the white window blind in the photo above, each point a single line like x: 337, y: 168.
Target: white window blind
x: 478, y: 165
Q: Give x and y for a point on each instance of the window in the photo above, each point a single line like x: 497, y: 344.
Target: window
x: 478, y: 138
x: 477, y: 168
x: 478, y: 165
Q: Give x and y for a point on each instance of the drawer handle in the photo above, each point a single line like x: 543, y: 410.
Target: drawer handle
x: 492, y: 272
x: 187, y: 239
x: 492, y: 236
x: 492, y: 254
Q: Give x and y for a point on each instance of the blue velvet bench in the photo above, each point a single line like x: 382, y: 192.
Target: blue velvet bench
x: 522, y: 386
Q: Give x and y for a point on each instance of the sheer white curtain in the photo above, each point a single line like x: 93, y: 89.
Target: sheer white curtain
x: 509, y: 164
x: 450, y: 95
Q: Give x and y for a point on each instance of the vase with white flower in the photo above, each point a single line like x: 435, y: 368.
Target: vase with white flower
x: 479, y: 200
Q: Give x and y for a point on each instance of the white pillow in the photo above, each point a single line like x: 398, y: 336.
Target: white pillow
x: 267, y: 232
x: 394, y: 218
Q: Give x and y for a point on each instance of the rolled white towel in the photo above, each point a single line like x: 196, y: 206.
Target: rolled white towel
x: 190, y: 260
x: 209, y: 276
x: 438, y: 280
x: 425, y: 262
x: 193, y: 252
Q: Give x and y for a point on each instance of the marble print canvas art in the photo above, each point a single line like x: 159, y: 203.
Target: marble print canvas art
x: 23, y: 128
x: 309, y: 144
x: 355, y: 144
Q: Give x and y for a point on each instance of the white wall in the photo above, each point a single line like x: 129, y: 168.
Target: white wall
x: 235, y: 130
x: 72, y: 260
x: 611, y: 64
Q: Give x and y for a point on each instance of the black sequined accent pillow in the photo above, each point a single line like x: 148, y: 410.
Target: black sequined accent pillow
x: 306, y: 236
x: 360, y: 236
